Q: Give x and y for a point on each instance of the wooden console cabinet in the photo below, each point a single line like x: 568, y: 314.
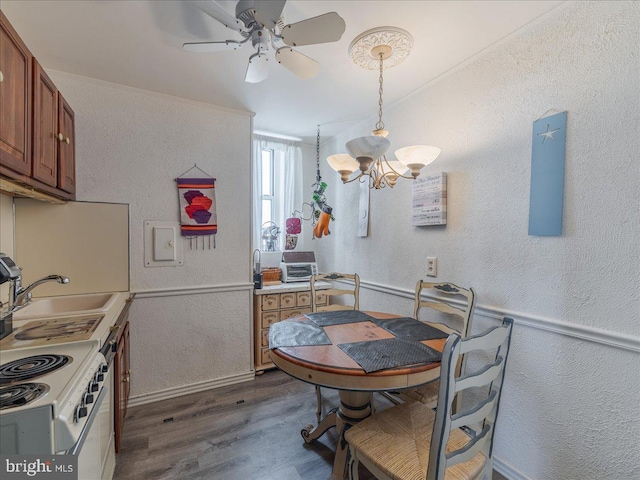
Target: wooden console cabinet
x: 271, y: 305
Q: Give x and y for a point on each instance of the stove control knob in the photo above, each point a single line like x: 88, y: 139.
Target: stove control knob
x: 81, y: 411
x: 93, y: 387
x: 87, y: 398
x: 99, y: 377
x: 104, y: 368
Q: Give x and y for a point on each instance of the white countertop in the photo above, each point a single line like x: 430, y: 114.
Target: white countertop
x: 290, y: 287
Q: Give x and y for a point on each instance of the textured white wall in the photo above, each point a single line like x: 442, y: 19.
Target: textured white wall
x: 570, y: 407
x: 131, y: 145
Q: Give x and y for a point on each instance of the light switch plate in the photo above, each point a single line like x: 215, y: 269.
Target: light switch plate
x: 163, y: 245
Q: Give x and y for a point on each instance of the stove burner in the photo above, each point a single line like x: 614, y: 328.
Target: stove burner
x: 31, y: 367
x: 21, y: 394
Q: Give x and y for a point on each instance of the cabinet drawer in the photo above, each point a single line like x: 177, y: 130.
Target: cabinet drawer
x: 303, y: 299
x: 321, y: 298
x: 270, y: 302
x: 265, y: 357
x: 293, y: 312
x: 268, y: 318
x: 287, y: 300
x: 265, y: 338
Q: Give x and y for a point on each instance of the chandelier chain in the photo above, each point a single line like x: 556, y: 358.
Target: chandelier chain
x: 380, y: 124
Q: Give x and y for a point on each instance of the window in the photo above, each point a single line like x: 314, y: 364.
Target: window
x: 268, y: 197
x: 277, y: 187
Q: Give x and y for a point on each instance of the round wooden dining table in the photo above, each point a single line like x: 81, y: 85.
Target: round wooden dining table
x: 329, y: 366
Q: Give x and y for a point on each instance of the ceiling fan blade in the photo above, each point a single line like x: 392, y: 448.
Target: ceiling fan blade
x: 258, y: 69
x: 321, y: 29
x: 268, y: 12
x: 296, y: 62
x: 208, y: 47
x: 216, y: 11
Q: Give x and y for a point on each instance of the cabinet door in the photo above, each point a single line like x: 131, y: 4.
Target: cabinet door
x: 45, y: 127
x: 15, y: 98
x: 66, y: 147
x: 122, y: 383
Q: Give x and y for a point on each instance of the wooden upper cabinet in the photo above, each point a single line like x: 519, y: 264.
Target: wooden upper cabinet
x: 66, y: 147
x: 45, y: 127
x: 15, y: 98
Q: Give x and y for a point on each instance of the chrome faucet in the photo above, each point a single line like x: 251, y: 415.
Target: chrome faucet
x: 22, y: 296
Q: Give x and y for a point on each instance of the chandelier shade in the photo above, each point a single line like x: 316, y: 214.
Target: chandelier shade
x: 344, y: 164
x: 370, y: 147
x: 416, y: 157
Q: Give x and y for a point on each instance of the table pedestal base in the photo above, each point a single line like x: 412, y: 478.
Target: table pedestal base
x: 311, y: 434
x: 354, y: 407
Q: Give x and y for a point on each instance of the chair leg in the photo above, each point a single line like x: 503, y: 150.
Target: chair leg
x: 319, y: 407
x: 352, y: 465
x: 488, y: 469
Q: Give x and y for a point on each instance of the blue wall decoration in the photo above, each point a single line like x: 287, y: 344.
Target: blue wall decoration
x: 547, y: 175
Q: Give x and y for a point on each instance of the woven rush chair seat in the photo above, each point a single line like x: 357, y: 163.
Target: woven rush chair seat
x: 398, y: 441
x: 427, y: 393
x: 412, y: 442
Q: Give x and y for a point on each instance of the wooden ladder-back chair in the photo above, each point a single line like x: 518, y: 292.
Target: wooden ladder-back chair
x: 457, y: 301
x: 351, y: 288
x: 410, y: 441
x: 352, y: 281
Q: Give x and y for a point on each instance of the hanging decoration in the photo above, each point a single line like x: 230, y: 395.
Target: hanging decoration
x: 321, y: 213
x: 198, y: 218
x: 270, y: 232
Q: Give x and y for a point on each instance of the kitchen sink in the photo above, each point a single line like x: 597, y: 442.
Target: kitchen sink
x: 66, y: 305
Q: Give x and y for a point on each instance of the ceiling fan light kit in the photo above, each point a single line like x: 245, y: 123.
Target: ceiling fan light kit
x: 261, y: 22
x: 378, y: 48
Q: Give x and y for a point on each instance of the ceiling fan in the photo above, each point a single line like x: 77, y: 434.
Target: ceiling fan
x: 260, y: 24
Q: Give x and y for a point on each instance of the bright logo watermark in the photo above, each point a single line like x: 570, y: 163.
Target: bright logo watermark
x: 50, y: 467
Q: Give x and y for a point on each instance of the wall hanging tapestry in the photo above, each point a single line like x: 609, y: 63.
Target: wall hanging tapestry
x: 547, y: 175
x: 198, y: 219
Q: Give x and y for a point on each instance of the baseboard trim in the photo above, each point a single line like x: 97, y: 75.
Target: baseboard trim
x: 173, y: 392
x: 583, y: 332
x: 506, y: 470
x: 192, y: 290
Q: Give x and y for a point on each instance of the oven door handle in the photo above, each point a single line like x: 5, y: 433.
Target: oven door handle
x: 92, y: 416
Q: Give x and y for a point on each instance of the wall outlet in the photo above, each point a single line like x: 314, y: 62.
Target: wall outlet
x: 432, y: 267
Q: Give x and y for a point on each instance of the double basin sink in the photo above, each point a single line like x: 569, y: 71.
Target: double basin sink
x: 48, y: 307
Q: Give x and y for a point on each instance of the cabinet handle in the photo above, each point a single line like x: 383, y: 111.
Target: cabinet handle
x: 60, y: 137
x: 67, y: 141
x: 1, y: 77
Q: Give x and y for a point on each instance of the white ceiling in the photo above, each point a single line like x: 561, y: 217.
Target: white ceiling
x: 138, y: 43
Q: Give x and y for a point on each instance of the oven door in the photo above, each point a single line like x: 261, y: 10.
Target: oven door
x: 88, y: 447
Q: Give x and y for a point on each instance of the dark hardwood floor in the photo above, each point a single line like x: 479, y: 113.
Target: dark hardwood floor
x: 241, y: 432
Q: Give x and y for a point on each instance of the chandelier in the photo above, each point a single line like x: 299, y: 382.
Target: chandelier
x: 370, y: 50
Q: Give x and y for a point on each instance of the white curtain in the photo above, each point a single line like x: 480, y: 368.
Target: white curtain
x: 287, y: 157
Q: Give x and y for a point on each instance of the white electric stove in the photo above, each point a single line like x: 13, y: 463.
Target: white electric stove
x: 63, y: 383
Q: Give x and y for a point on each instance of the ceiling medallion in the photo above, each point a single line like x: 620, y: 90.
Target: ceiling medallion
x: 395, y: 44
